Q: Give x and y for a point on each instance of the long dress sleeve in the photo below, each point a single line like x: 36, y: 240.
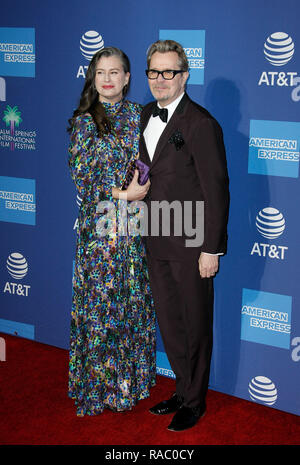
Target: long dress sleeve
x: 82, y: 153
x: 86, y: 162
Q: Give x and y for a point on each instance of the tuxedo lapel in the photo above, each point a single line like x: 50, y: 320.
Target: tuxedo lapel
x: 144, y: 150
x: 144, y: 121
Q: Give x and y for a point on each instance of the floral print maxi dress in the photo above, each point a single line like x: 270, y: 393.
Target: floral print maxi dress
x: 112, y: 346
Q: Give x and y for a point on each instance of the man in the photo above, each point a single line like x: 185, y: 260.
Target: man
x: 185, y: 151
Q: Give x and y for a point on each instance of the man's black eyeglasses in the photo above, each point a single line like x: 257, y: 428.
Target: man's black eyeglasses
x: 166, y: 74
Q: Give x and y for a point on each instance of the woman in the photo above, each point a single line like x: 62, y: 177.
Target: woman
x: 112, y: 352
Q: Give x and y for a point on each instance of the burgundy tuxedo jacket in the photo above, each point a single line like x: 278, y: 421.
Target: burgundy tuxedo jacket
x: 189, y: 165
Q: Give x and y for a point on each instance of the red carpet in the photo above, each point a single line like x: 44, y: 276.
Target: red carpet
x: 35, y: 410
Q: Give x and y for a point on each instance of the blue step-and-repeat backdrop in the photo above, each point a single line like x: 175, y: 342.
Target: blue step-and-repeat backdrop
x: 245, y: 69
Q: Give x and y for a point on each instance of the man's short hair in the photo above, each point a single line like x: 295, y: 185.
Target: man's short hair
x: 163, y: 46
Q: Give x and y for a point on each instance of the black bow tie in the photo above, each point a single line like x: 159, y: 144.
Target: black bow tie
x: 161, y: 112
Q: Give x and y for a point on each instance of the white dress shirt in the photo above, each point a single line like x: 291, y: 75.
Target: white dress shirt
x: 156, y: 126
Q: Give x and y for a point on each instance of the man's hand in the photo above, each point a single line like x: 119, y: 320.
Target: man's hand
x: 208, y: 265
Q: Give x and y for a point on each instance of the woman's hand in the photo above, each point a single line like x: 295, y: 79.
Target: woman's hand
x: 134, y: 191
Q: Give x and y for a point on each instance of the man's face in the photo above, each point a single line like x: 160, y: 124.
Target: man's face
x: 166, y: 91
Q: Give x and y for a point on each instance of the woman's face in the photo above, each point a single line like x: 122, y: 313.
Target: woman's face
x: 110, y: 79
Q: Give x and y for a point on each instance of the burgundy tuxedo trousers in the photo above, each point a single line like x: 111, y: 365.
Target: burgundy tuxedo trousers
x: 184, y: 307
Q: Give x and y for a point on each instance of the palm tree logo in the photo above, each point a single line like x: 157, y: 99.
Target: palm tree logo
x: 12, y: 118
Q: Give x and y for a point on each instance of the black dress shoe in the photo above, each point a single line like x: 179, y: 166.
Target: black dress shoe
x: 186, y: 418
x: 167, y: 406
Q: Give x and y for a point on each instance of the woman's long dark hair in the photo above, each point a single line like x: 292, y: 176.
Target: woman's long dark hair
x: 89, y: 99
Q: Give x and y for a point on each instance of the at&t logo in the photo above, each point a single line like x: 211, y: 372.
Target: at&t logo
x: 270, y: 223
x: 90, y: 43
x: 278, y: 50
x: 262, y: 390
x: 17, y: 267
